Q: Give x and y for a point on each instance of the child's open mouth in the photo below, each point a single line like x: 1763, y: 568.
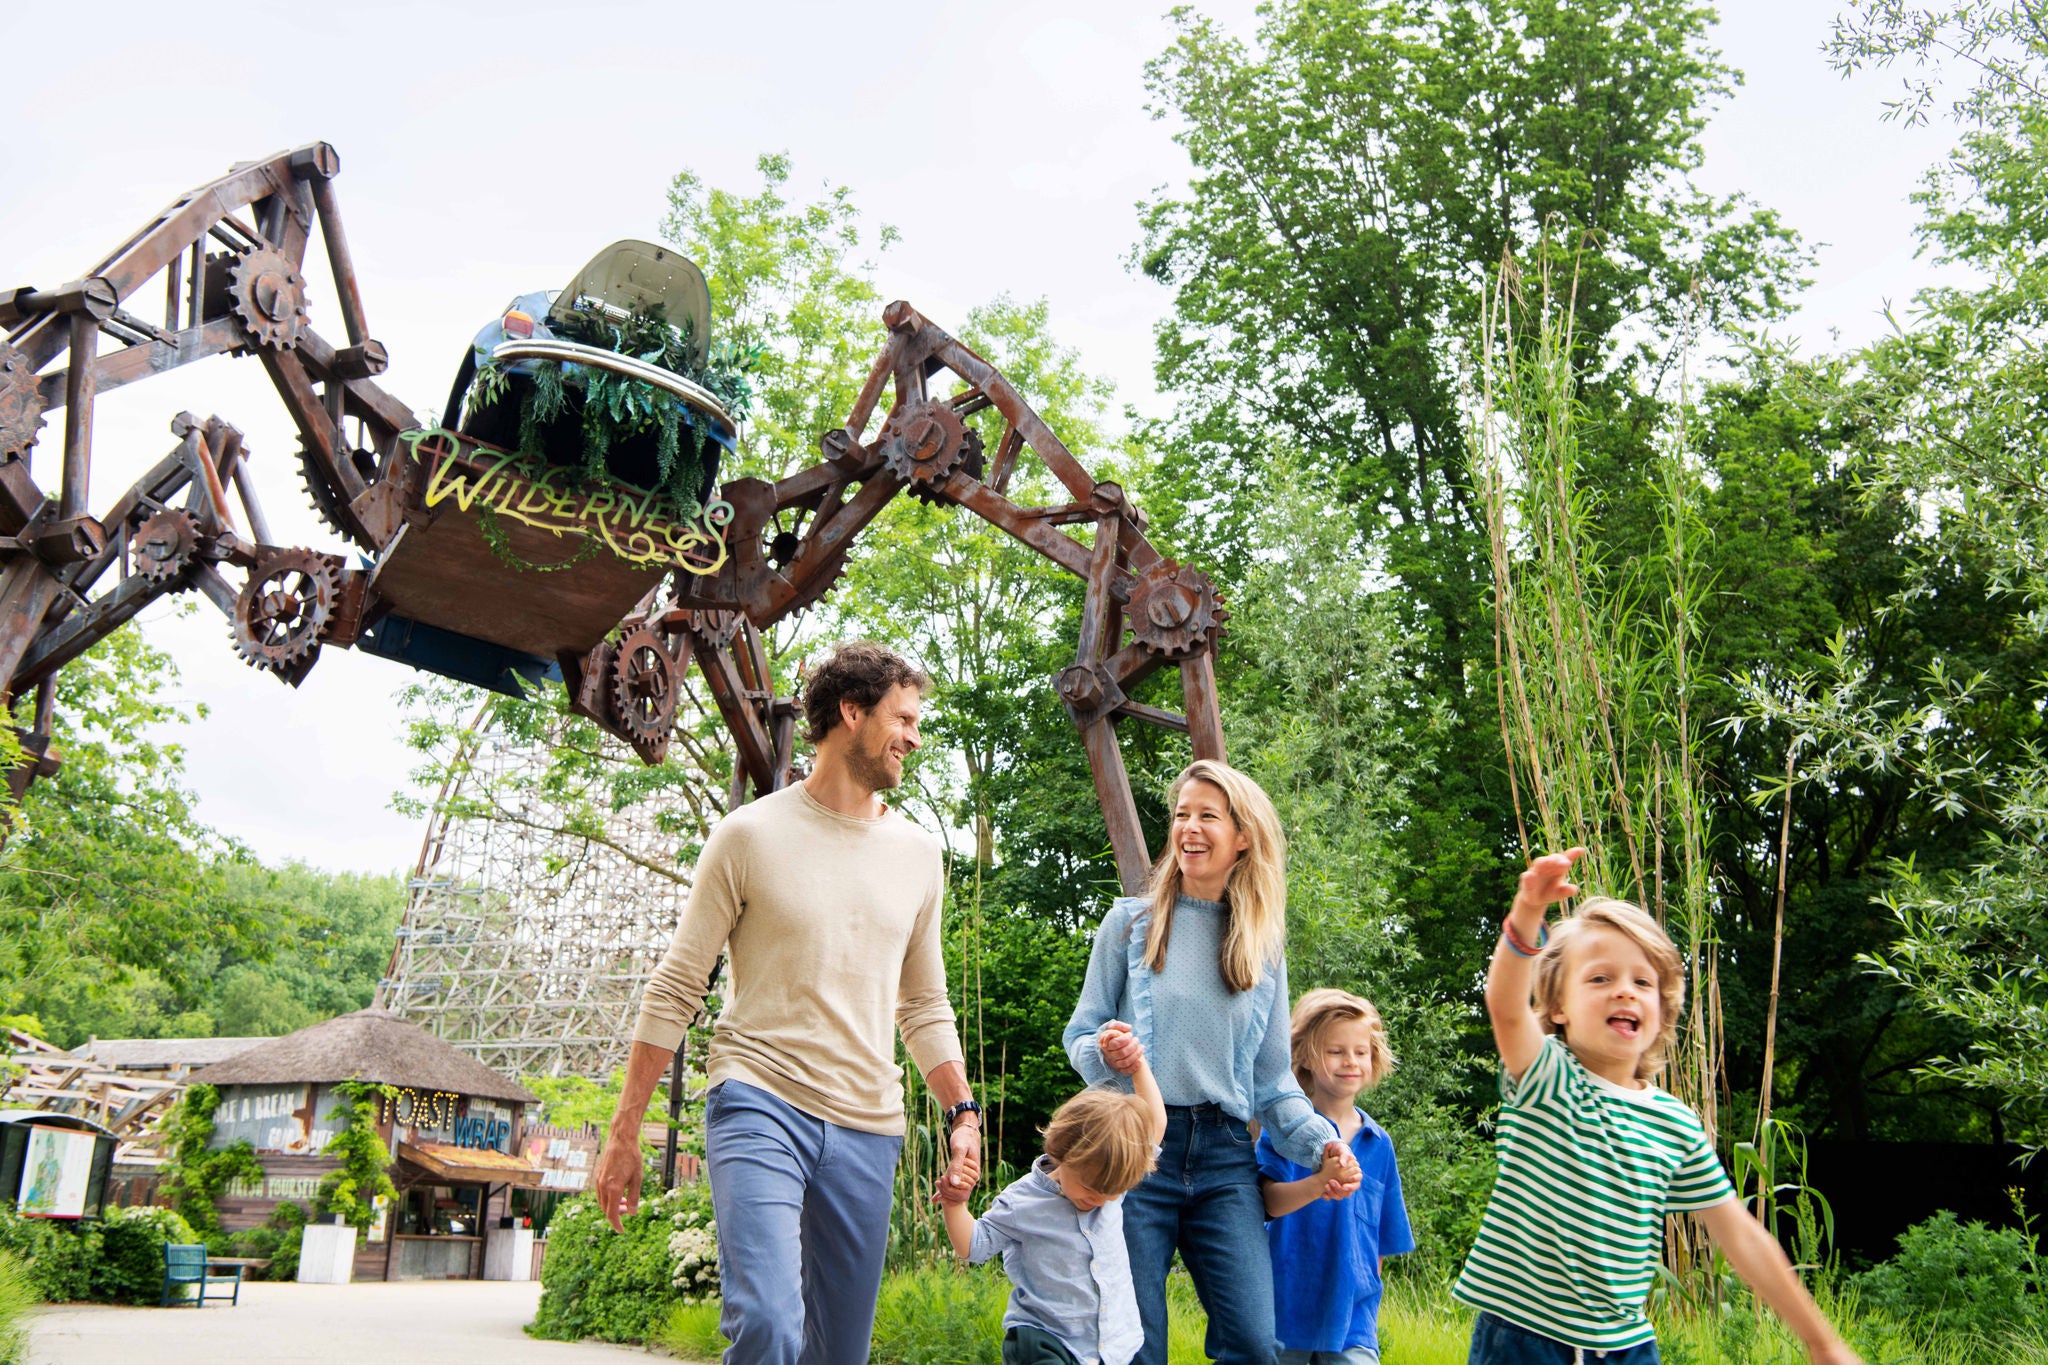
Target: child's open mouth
x: 1627, y: 1025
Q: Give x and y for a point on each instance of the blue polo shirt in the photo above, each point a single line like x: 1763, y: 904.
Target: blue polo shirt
x: 1326, y: 1256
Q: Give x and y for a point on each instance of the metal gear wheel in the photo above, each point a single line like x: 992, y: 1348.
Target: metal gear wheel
x: 924, y: 443
x: 719, y: 628
x: 326, y: 501
x: 269, y: 296
x: 644, y: 686
x: 1175, y: 610
x: 165, y: 544
x: 971, y: 462
x: 21, y: 404
x: 287, y: 602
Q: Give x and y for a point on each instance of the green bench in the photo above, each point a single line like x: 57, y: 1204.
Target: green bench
x: 186, y: 1263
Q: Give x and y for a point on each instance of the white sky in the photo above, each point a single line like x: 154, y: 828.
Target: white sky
x: 490, y: 150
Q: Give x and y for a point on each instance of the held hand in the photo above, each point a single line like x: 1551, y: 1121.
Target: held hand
x: 963, y: 1172
x: 1341, y: 1176
x: 1121, y: 1049
x: 1548, y: 880
x: 619, y: 1173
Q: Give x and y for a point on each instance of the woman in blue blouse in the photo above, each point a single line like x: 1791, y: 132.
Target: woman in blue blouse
x: 1197, y: 968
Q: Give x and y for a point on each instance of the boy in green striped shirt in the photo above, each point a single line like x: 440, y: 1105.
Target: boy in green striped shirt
x: 1591, y: 1154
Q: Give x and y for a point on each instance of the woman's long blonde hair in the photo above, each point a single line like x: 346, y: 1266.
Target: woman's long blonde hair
x: 1255, y: 895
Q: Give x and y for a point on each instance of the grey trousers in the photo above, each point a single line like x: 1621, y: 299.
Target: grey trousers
x: 803, y: 1224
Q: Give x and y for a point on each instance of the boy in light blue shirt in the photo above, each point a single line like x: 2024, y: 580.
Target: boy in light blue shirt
x: 1060, y: 1229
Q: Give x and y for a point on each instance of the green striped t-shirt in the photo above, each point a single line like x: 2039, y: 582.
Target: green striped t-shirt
x: 1573, y: 1231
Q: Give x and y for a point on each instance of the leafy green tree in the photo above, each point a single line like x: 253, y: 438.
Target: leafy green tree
x: 114, y: 897
x: 1360, y: 173
x: 1951, y: 404
x: 790, y: 280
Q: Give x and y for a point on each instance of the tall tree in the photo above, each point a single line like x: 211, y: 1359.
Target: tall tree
x: 1360, y: 173
x: 115, y: 899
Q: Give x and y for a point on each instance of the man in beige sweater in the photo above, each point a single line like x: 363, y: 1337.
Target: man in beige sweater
x: 827, y: 904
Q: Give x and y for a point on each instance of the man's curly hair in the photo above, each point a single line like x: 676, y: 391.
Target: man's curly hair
x: 859, y: 671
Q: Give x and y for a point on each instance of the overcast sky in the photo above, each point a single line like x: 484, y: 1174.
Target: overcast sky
x: 489, y: 151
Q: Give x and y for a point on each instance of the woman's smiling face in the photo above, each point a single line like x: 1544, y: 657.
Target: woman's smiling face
x: 1206, y: 840
x: 1610, y: 1006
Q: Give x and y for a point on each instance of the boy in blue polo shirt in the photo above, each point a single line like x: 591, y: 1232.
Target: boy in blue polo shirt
x: 1327, y: 1253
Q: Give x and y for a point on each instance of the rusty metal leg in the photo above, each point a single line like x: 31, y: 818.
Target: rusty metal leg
x: 78, y: 394
x: 1119, y: 809
x: 27, y: 591
x: 1205, y: 718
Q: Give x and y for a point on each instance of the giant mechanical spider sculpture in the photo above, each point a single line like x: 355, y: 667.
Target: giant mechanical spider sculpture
x: 441, y: 518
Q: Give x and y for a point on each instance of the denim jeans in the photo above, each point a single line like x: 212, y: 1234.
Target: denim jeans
x: 1204, y: 1201
x: 1496, y: 1341
x: 1350, y: 1355
x: 803, y: 1222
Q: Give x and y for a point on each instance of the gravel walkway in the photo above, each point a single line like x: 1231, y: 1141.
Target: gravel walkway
x: 439, y: 1322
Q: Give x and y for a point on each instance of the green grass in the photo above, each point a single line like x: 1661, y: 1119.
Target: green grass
x: 940, y: 1315
x: 944, y: 1315
x: 691, y: 1332
x: 1421, y: 1324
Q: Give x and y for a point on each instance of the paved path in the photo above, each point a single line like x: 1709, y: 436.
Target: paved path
x: 410, y: 1323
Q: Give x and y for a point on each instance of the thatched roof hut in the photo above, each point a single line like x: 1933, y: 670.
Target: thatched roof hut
x: 370, y: 1045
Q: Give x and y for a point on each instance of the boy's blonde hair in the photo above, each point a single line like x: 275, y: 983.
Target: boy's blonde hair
x: 1255, y: 928
x: 1104, y: 1137
x: 1315, y: 1014
x: 1604, y: 912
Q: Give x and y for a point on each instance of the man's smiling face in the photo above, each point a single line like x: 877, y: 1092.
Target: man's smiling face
x: 881, y: 737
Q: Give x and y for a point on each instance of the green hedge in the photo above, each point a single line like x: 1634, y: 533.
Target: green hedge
x: 623, y: 1286
x: 118, y: 1259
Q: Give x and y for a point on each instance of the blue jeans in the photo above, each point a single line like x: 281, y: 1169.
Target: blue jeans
x: 1496, y: 1341
x: 1204, y: 1200
x: 803, y: 1223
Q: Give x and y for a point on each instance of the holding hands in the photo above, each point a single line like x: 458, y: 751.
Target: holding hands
x: 1121, y: 1049
x: 1339, y: 1172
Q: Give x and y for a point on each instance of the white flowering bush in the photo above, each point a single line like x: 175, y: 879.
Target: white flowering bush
x: 623, y: 1286
x: 695, y: 1250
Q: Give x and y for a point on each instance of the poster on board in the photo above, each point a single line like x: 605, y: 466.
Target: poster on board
x: 55, y: 1172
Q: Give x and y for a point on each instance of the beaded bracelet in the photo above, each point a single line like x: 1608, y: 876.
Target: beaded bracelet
x: 1515, y: 944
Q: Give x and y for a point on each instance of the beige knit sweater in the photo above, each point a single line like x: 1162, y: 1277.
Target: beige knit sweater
x: 831, y: 926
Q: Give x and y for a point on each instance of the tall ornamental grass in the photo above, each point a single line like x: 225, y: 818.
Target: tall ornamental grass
x: 1595, y: 647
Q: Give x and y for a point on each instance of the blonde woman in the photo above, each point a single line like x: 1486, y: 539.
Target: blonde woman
x: 1198, y: 969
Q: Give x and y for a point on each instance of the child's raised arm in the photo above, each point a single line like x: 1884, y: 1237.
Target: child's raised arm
x: 1516, y: 1031
x: 1761, y: 1262
x: 959, y: 1228
x: 1143, y: 1084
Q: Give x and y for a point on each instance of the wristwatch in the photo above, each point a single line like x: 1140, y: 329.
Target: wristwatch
x: 964, y: 1107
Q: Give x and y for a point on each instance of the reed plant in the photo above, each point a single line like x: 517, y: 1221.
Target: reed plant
x: 1595, y: 649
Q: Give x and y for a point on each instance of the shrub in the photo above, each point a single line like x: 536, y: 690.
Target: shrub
x: 130, y: 1266
x: 276, y: 1241
x: 117, y: 1259
x: 1963, y: 1278
x: 17, y: 1298
x: 623, y: 1286
x: 57, y: 1254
